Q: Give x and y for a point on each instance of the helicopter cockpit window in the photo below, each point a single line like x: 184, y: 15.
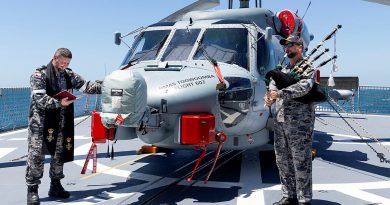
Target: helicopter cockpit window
x: 181, y: 45
x: 147, y: 46
x: 228, y: 45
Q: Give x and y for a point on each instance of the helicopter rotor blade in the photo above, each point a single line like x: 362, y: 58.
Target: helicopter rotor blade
x: 198, y: 5
x: 384, y: 2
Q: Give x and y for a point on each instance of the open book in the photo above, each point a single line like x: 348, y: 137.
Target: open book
x: 64, y: 94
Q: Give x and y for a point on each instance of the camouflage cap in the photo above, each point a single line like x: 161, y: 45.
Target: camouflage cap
x: 291, y: 39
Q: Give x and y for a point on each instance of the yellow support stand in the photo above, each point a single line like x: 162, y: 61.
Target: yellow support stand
x: 313, y: 153
x: 148, y: 149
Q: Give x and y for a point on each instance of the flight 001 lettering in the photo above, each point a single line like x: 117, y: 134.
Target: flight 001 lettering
x: 188, y: 82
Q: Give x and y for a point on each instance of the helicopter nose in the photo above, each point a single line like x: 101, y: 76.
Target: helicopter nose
x: 182, y: 92
x: 124, y: 96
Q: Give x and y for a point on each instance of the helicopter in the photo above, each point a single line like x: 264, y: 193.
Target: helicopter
x: 195, y: 79
x: 175, y: 59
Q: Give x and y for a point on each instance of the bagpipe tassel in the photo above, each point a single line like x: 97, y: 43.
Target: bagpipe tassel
x: 331, y: 81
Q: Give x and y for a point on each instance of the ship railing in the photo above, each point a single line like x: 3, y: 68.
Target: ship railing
x: 15, y: 102
x: 366, y: 100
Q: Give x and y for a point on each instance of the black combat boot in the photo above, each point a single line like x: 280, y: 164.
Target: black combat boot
x: 32, y: 195
x: 287, y: 201
x: 56, y: 190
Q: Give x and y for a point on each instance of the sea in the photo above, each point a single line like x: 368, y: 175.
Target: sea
x: 15, y: 102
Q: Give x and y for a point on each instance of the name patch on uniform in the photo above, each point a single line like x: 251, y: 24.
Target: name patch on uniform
x: 116, y: 92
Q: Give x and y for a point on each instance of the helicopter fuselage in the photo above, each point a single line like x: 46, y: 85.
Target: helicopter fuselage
x: 176, y: 61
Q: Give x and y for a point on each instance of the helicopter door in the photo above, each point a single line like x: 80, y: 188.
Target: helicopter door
x: 230, y: 45
x: 234, y: 103
x: 262, y: 55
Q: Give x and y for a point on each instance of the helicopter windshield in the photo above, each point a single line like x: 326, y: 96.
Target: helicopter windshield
x: 228, y: 45
x: 181, y: 45
x: 147, y: 46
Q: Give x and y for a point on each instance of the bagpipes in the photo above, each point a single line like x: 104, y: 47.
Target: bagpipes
x: 301, y: 71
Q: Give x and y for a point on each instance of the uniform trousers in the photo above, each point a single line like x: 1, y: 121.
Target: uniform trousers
x: 293, y: 145
x: 36, y: 158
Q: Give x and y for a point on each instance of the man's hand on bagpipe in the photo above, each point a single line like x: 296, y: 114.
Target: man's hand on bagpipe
x: 270, y: 98
x: 268, y: 102
x: 273, y: 95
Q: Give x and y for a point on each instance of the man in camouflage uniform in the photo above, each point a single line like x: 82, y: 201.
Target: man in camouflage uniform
x: 293, y: 128
x: 51, y: 123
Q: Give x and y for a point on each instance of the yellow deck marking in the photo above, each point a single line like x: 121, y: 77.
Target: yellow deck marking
x: 117, y: 166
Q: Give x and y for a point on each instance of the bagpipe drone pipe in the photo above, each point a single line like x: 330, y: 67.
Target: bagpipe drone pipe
x: 283, y: 80
x: 303, y: 70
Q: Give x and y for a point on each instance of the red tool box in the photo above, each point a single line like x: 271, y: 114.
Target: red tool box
x: 197, y: 129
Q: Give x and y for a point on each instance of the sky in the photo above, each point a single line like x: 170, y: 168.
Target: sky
x: 31, y: 31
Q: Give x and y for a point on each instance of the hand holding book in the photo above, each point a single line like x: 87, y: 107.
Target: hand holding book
x: 64, y: 94
x: 66, y: 98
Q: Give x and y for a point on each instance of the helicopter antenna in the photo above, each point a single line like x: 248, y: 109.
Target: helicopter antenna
x: 244, y: 4
x: 258, y: 3
x: 306, y: 10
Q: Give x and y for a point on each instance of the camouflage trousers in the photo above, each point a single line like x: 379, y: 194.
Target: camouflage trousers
x: 36, y: 158
x: 293, y: 144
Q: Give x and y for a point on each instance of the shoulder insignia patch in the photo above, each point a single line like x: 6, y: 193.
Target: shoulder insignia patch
x: 38, y: 75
